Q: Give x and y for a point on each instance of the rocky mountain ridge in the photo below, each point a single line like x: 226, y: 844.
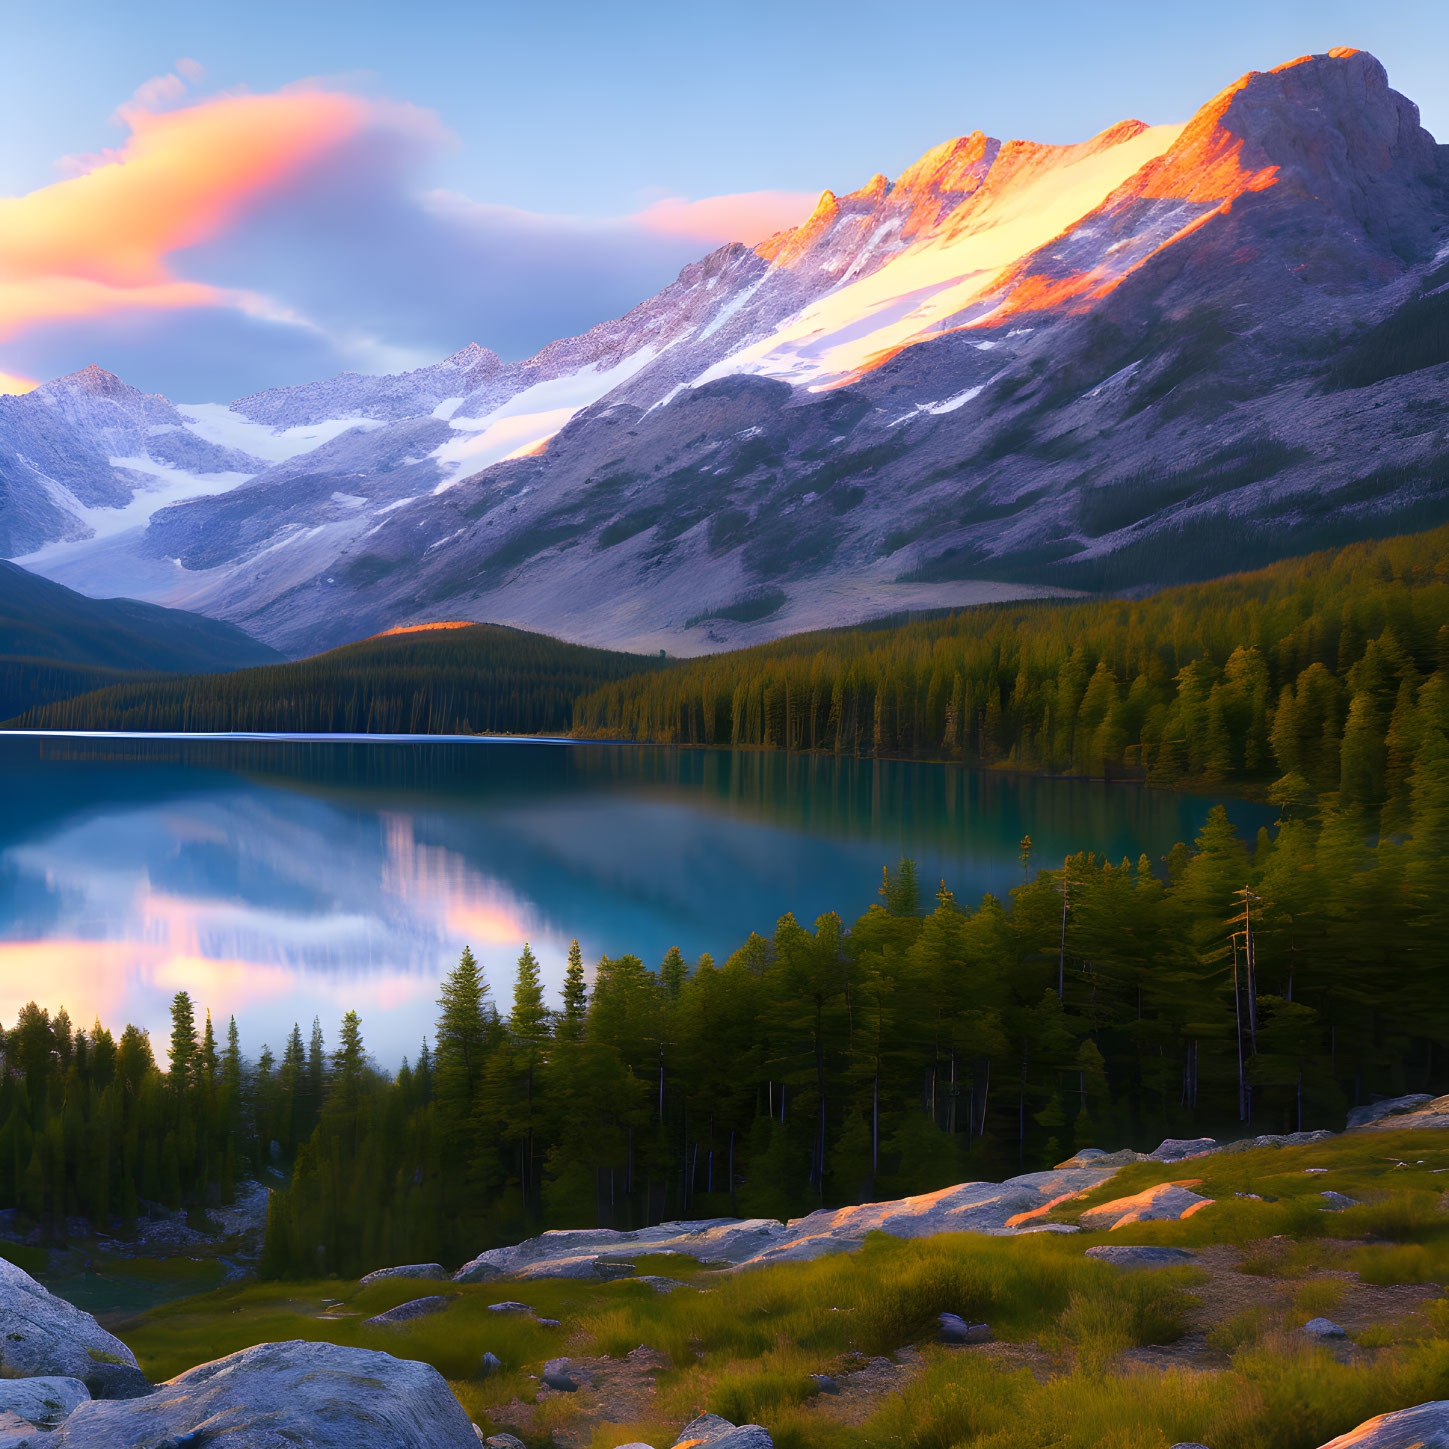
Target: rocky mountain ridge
x: 1162, y: 353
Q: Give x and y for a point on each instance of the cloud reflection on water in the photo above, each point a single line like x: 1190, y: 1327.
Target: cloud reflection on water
x: 283, y: 882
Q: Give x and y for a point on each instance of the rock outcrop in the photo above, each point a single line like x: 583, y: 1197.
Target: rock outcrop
x: 1167, y: 1200
x: 1425, y: 1426
x: 43, y: 1402
x: 279, y: 1394
x: 407, y: 1312
x: 709, y: 1431
x: 983, y: 1207
x: 407, y: 1270
x: 42, y: 1335
x: 1404, y: 1114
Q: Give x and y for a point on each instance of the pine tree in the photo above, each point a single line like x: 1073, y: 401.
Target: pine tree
x: 461, y: 1046
x: 183, y: 1041
x: 673, y: 972
x: 575, y: 996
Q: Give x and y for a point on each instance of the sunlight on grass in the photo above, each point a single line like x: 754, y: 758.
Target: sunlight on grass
x: 744, y: 1345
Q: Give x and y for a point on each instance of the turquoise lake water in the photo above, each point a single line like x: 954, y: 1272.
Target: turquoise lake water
x: 280, y: 879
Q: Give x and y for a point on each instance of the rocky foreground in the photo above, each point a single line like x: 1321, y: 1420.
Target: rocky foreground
x: 66, y: 1383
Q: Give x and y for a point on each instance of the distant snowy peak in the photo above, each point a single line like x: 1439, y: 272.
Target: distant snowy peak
x: 379, y: 398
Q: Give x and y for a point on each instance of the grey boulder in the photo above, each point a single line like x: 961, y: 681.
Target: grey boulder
x: 1124, y: 1256
x: 118, y: 1381
x: 1175, y: 1149
x: 490, y: 1365
x: 508, y: 1306
x: 1322, y: 1328
x: 1426, y: 1426
x: 407, y: 1270
x: 279, y: 1395
x: 704, y: 1430
x: 952, y: 1329
x: 43, y: 1336
x: 503, y: 1441
x: 564, y: 1376
x: 1338, y: 1202
x: 42, y: 1401
x: 717, y: 1433
x: 406, y: 1312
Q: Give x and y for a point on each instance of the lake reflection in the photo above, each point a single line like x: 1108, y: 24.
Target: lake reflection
x: 280, y: 880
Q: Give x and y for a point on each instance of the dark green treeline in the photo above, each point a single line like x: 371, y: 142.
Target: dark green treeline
x: 1323, y: 674
x: 474, y: 680
x: 926, y: 1045
x: 91, y: 1126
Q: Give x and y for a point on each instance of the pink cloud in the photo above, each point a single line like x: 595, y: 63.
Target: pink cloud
x: 746, y: 216
x: 295, y: 223
x: 101, y: 241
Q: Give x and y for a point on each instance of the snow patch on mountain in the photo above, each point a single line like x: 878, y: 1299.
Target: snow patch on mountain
x: 936, y: 279
x: 529, y: 418
x: 218, y: 424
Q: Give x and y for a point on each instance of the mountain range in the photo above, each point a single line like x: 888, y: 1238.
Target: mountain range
x: 1163, y: 353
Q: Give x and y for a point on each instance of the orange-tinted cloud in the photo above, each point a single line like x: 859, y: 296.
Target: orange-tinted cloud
x: 12, y: 383
x: 101, y: 241
x: 746, y: 216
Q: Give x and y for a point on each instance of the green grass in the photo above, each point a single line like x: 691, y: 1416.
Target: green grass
x: 1282, y: 1394
x: 744, y: 1344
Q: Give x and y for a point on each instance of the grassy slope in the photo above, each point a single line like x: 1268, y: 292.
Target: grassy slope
x: 55, y: 642
x: 1068, y: 1372
x: 479, y: 678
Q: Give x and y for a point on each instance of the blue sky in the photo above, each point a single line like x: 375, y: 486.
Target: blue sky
x: 594, y: 112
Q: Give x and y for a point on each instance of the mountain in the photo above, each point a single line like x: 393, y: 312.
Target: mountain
x: 55, y: 643
x: 439, y: 678
x: 1160, y: 354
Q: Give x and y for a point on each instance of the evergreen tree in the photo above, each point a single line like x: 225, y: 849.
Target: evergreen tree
x: 183, y: 1041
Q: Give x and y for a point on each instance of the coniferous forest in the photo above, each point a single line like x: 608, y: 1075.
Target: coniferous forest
x: 477, y: 679
x: 1322, y: 674
x: 1232, y: 987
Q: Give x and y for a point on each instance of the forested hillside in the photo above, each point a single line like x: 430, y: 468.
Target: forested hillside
x: 473, y: 679
x: 1323, y: 674
x: 55, y: 643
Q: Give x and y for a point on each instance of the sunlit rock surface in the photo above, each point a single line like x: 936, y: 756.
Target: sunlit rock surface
x: 1164, y: 1201
x: 1406, y: 1114
x: 1425, y: 1426
x: 985, y: 1207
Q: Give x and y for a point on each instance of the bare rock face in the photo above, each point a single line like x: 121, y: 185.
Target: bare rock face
x: 44, y: 1336
x: 279, y: 1395
x: 1425, y: 1426
x: 1166, y: 1200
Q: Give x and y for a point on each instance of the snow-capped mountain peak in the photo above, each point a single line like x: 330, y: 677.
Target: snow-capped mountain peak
x: 1016, y: 362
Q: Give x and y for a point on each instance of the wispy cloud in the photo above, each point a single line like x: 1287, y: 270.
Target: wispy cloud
x: 263, y: 233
